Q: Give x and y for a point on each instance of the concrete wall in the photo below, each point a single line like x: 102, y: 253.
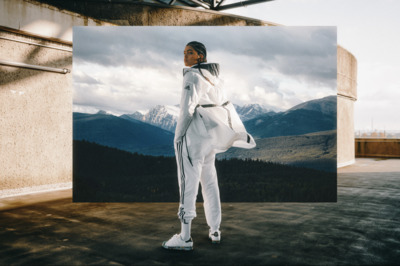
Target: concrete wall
x: 347, y: 95
x: 382, y: 148
x: 35, y: 105
x: 35, y: 111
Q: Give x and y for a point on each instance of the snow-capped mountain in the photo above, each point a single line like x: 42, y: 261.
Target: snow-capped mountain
x: 166, y: 116
x: 163, y: 116
x: 250, y: 111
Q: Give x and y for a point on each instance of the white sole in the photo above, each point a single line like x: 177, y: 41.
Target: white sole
x: 183, y: 248
x: 214, y: 241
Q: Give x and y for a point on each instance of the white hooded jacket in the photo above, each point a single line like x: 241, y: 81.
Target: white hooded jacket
x: 207, y: 120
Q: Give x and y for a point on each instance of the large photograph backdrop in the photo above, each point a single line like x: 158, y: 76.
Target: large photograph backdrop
x: 127, y: 85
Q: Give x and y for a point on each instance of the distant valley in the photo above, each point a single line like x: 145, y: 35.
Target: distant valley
x: 314, y: 150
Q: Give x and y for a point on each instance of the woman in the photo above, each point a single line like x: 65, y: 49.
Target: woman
x: 207, y: 124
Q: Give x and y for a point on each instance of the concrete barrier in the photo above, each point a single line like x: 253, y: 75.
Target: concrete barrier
x: 376, y: 147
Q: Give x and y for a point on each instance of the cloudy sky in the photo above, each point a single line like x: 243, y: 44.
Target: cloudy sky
x: 128, y: 69
x: 369, y: 29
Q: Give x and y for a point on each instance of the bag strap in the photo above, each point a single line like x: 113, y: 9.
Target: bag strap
x: 212, y: 84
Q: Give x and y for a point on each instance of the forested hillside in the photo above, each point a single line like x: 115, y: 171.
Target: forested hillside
x: 103, y: 174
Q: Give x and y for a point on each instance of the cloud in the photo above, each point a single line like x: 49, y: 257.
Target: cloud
x: 134, y: 68
x: 126, y: 89
x: 161, y: 45
x: 81, y: 77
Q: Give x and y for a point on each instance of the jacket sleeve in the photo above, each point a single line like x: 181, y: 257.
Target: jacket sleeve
x: 191, y: 93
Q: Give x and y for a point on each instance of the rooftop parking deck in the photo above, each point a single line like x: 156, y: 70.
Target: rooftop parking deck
x: 363, y: 227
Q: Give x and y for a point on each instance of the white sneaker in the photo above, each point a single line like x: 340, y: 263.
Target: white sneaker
x: 215, y: 236
x: 176, y: 243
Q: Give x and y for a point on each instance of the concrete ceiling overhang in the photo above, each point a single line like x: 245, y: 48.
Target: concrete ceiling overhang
x: 151, y: 12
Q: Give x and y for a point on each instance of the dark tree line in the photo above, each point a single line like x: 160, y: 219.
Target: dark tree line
x: 104, y: 174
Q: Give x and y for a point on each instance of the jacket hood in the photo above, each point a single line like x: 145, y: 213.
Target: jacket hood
x: 213, y: 68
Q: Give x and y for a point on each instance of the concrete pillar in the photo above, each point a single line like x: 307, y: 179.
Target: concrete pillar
x: 347, y: 95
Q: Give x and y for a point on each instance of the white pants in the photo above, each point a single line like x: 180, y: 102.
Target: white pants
x: 191, y: 172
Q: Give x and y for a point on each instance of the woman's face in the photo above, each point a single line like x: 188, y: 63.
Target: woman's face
x: 191, y: 57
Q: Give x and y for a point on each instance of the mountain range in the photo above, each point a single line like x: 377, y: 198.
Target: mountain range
x: 129, y: 135
x: 166, y: 116
x: 152, y: 133
x: 312, y: 116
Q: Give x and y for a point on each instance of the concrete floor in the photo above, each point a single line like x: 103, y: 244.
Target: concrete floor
x: 362, y: 228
